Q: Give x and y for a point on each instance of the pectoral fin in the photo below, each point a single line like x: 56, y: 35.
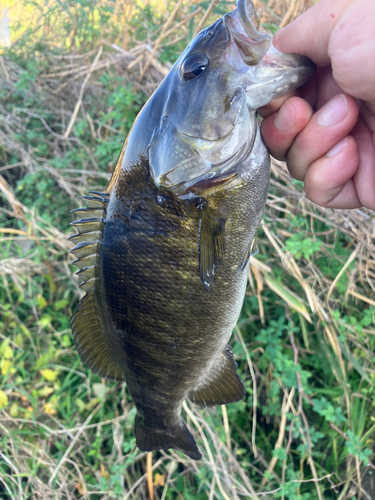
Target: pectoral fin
x: 210, y: 247
x: 222, y: 385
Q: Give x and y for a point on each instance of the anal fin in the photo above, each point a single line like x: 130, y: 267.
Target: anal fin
x: 222, y: 385
x: 90, y: 340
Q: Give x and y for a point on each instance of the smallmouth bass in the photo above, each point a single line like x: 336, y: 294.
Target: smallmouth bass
x: 163, y: 254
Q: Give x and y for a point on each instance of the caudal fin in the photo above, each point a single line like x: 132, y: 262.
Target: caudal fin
x: 177, y: 437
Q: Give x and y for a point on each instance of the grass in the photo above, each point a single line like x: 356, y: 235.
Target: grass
x: 70, y: 89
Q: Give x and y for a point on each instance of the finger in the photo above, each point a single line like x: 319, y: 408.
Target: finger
x: 275, y: 104
x: 332, y: 123
x: 364, y: 178
x: 352, y: 50
x: 310, y: 33
x: 326, y: 87
x: 320, y: 88
x: 329, y: 180
x: 280, y: 129
x: 341, y: 33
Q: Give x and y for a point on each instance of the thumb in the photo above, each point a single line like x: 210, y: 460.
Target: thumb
x: 309, y: 34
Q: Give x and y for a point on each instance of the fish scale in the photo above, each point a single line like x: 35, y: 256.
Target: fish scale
x: 163, y: 254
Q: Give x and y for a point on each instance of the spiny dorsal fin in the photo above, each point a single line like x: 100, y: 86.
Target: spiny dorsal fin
x: 89, y: 338
x: 88, y: 212
x: 89, y: 260
x: 89, y: 237
x: 105, y: 196
x: 94, y: 201
x: 89, y: 285
x: 87, y: 327
x: 86, y: 248
x: 88, y: 224
x: 88, y: 272
x: 221, y: 385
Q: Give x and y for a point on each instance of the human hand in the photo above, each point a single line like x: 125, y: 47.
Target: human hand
x: 326, y: 129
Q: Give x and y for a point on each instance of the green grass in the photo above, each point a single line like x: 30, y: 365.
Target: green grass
x: 304, y: 341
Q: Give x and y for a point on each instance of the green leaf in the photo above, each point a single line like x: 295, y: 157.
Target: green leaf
x: 6, y: 352
x: 60, y: 304
x: 3, y: 399
x: 49, y: 375
x: 42, y: 303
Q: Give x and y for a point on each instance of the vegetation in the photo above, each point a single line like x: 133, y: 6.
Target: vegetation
x: 76, y: 75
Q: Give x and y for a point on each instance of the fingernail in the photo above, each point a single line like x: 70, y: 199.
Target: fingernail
x: 338, y: 148
x: 285, y: 118
x: 334, y: 111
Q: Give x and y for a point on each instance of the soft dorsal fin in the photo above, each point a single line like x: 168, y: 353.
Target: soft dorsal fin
x: 90, y: 340
x: 221, y: 385
x: 87, y: 325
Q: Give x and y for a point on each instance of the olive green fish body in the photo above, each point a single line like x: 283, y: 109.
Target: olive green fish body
x: 173, y: 329
x: 163, y: 253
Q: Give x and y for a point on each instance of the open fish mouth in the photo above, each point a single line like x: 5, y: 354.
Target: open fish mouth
x: 244, y: 29
x: 269, y: 73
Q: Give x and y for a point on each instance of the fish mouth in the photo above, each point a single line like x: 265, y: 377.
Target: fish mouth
x: 267, y: 73
x: 253, y: 46
x: 243, y: 25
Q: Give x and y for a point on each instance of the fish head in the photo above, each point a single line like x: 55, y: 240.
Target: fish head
x: 208, y: 122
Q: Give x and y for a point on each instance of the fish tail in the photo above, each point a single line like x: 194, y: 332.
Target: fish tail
x: 178, y: 437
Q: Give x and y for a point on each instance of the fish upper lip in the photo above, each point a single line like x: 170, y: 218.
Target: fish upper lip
x: 232, y: 30
x: 252, y: 50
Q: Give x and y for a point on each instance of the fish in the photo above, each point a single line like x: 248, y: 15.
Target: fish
x: 163, y: 253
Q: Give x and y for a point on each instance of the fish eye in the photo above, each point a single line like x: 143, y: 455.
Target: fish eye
x: 194, y: 66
